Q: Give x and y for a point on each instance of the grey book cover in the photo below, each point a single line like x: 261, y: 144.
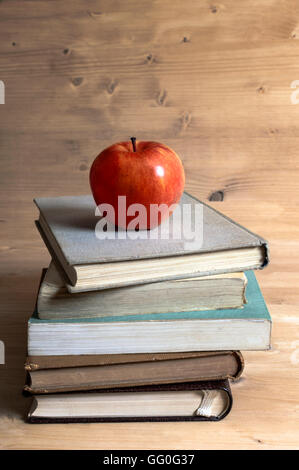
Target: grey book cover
x: 71, y: 220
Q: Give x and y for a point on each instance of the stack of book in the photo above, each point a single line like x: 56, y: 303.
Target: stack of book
x: 142, y: 329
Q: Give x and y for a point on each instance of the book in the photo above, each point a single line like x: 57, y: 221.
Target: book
x: 211, y: 292
x: 193, y: 368
x: 248, y: 328
x: 33, y: 363
x: 67, y: 226
x: 200, y: 401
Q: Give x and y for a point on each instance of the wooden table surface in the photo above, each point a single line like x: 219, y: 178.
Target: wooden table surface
x: 212, y: 80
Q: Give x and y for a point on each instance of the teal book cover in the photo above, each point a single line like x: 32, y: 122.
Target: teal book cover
x: 254, y: 309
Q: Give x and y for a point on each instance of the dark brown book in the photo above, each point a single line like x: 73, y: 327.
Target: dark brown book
x: 195, y: 401
x: 113, y: 372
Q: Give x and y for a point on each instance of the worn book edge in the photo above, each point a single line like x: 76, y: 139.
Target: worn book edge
x: 250, y: 311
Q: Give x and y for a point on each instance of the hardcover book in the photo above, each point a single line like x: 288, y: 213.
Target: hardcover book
x: 248, y: 328
x: 57, y: 362
x: 202, y: 293
x: 191, y: 367
x: 67, y: 225
x: 200, y: 401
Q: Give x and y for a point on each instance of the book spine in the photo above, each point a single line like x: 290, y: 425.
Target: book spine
x: 241, y: 364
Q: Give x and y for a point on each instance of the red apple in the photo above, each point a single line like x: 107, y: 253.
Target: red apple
x: 145, y: 172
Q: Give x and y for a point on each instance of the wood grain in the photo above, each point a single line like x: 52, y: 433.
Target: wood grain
x: 210, y: 79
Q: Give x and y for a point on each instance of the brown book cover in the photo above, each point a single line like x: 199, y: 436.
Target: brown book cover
x: 208, y: 392
x: 56, y: 362
x: 149, y: 371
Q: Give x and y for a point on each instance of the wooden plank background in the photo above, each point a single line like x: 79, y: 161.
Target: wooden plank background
x: 213, y: 81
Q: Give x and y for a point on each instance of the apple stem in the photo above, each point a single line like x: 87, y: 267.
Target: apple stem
x: 133, y: 139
